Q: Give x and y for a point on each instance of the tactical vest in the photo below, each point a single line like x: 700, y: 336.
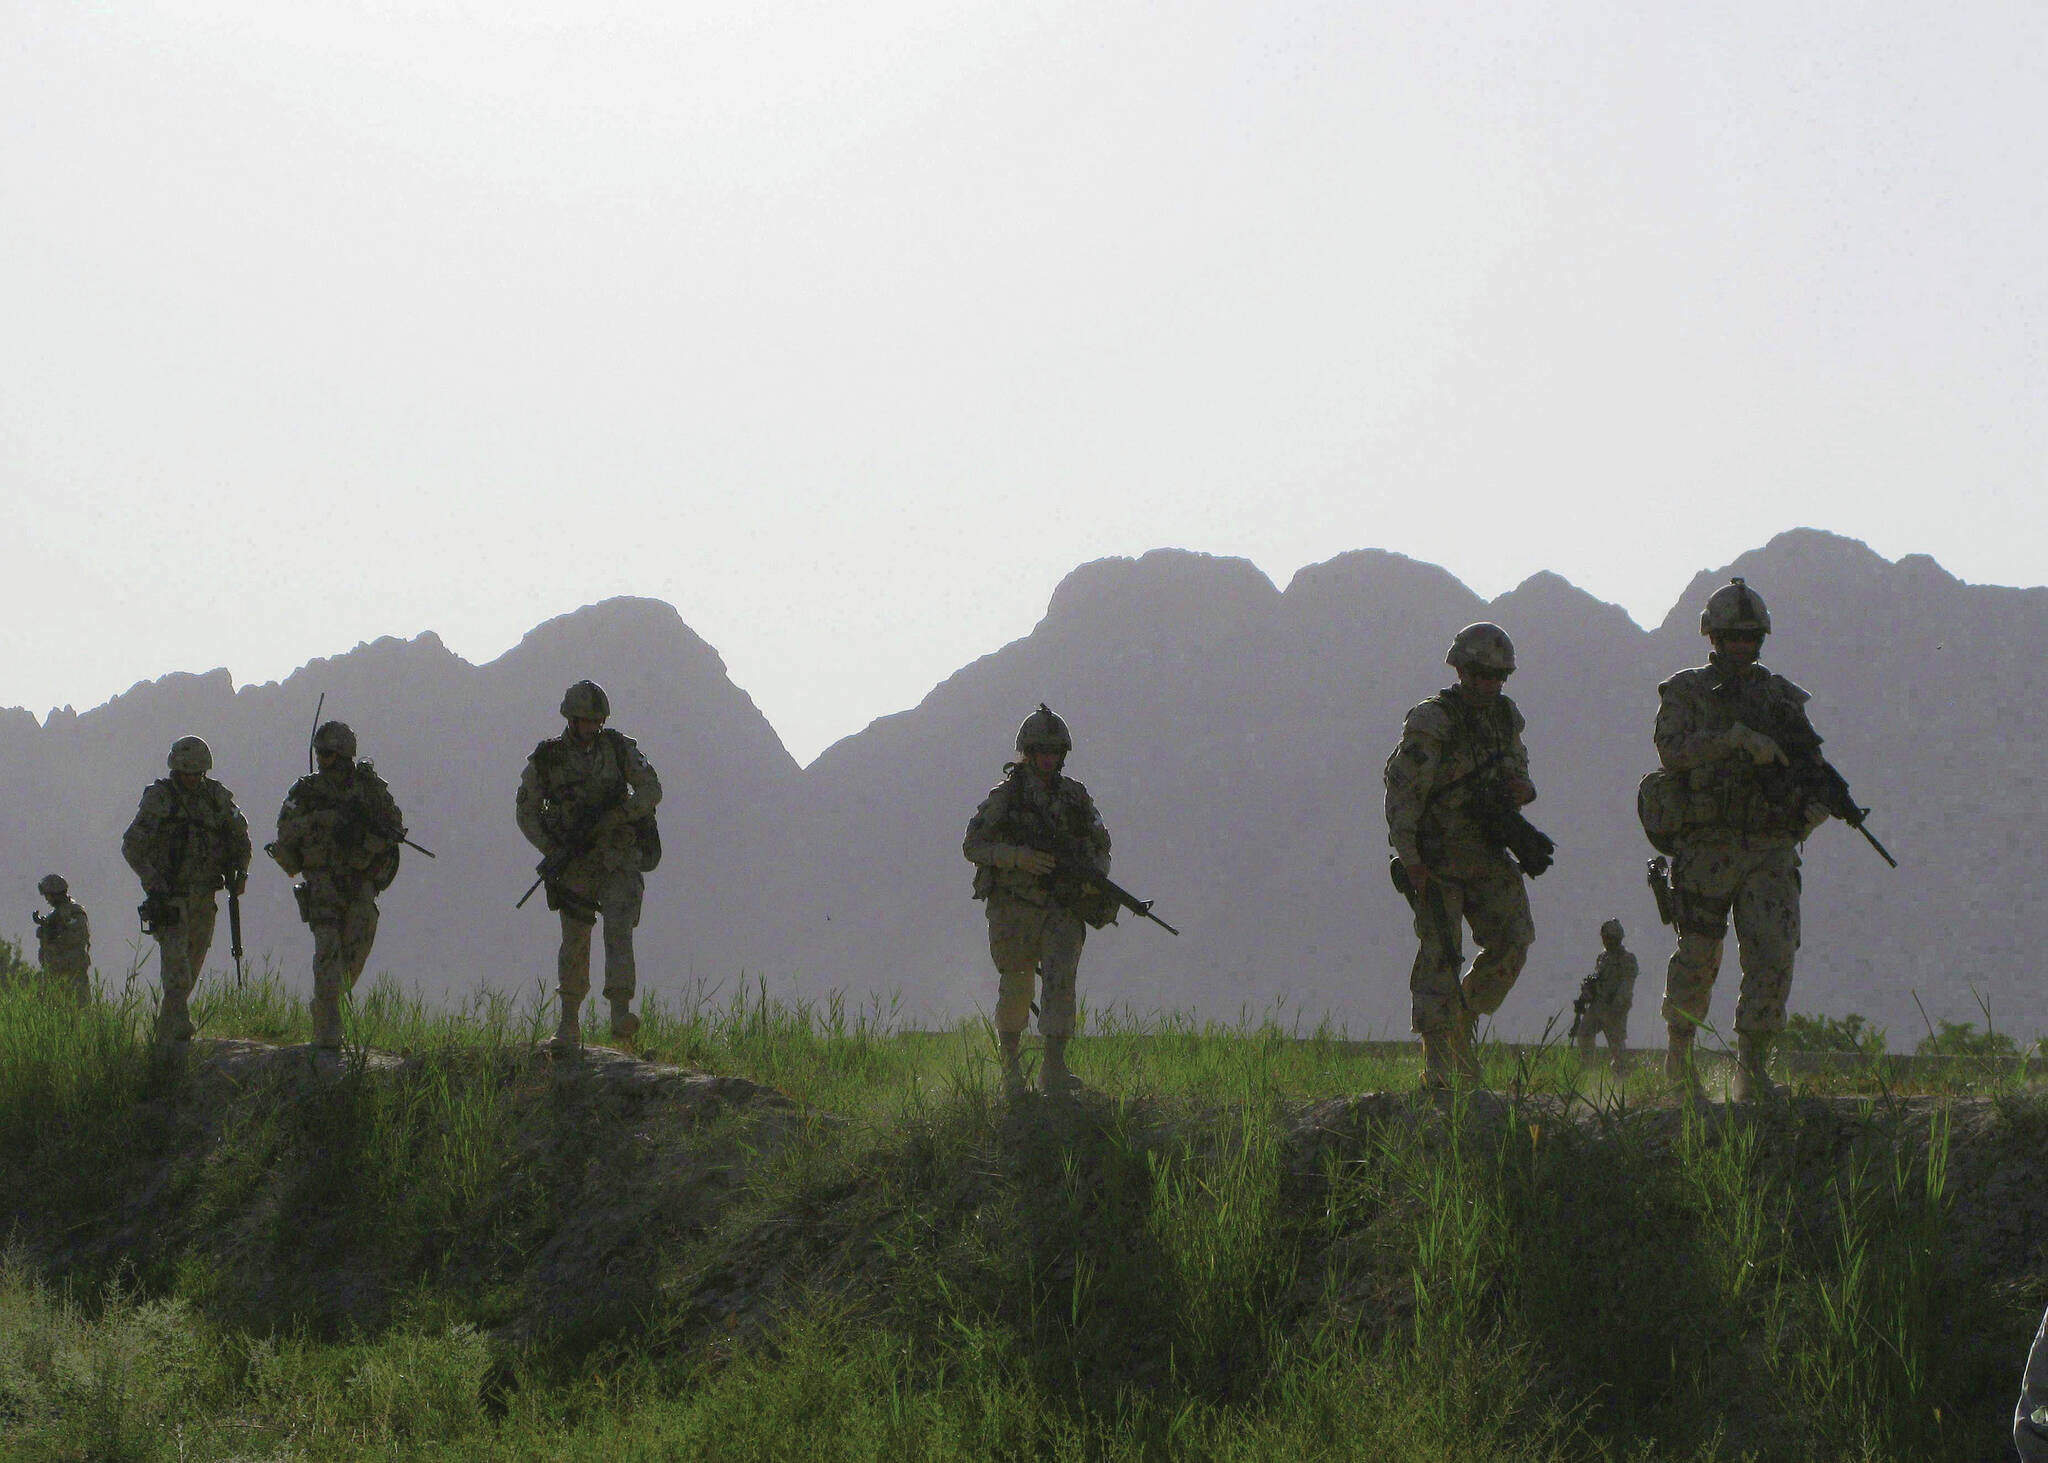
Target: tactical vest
x: 1482, y: 738
x: 189, y: 844
x: 574, y: 784
x: 1733, y: 792
x: 315, y: 793
x: 1023, y: 823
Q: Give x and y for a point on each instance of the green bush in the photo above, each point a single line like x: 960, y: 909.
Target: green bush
x: 1851, y: 1033
x: 1963, y: 1039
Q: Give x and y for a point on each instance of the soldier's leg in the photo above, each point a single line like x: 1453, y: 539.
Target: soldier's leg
x: 1436, y: 1001
x: 1767, y: 941
x: 1704, y: 879
x: 1013, y: 943
x: 174, y: 974
x: 572, y: 976
x: 359, y: 937
x: 199, y: 917
x: 622, y: 896
x: 330, y: 979
x: 1497, y: 906
x: 1059, y: 965
x: 1617, y: 1040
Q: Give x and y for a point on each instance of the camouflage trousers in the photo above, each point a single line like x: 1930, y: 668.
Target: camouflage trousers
x: 1491, y: 898
x: 1034, y: 945
x: 1611, y: 1024
x: 344, y: 930
x: 616, y: 895
x: 1758, y: 882
x: 71, y: 979
x: 181, y: 948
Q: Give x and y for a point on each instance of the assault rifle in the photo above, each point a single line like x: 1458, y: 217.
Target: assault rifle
x: 576, y: 844
x: 1831, y: 790
x: 1077, y: 886
x: 1580, y: 1002
x: 1492, y: 806
x: 233, y: 880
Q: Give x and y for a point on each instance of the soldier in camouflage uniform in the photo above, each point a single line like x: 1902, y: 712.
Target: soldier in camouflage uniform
x: 188, y: 840
x: 340, y: 827
x: 589, y: 796
x: 64, y: 940
x: 1735, y: 737
x: 1605, y: 997
x: 1034, y: 936
x: 1450, y: 745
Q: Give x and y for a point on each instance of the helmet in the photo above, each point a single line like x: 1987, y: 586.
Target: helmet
x: 586, y: 699
x: 190, y: 754
x: 50, y: 886
x: 1482, y: 647
x: 1044, y: 731
x: 335, y: 736
x: 1732, y: 607
x: 1611, y: 930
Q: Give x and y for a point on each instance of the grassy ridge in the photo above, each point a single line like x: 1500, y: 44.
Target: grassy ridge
x: 1212, y: 1259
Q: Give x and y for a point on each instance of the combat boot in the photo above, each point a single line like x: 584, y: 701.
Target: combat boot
x: 1465, y: 1050
x: 568, y: 1038
x: 173, y: 1020
x: 625, y: 1025
x: 1752, y: 1075
x: 326, y: 1021
x: 1053, y: 1075
x: 1009, y: 1045
x: 1436, y: 1061
x: 1678, y: 1068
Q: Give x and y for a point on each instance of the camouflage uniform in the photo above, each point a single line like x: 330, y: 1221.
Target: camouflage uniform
x: 1445, y: 742
x: 64, y: 941
x: 340, y: 827
x: 185, y: 844
x: 1032, y: 939
x: 1739, y: 850
x: 2030, y: 1418
x: 1608, y: 992
x: 563, y: 781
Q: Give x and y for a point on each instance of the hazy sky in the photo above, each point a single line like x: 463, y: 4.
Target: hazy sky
x: 850, y: 328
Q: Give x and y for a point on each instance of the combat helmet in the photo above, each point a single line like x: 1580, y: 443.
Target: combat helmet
x: 1735, y: 607
x: 335, y: 736
x: 1044, y: 731
x: 190, y: 754
x: 1611, y: 927
x: 53, y: 886
x: 587, y: 700
x: 1483, y: 646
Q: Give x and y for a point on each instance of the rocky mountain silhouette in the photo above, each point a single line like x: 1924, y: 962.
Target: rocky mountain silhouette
x: 1232, y: 733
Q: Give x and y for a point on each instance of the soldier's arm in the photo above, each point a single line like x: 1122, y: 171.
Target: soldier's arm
x: 385, y: 824
x: 136, y: 842
x: 1681, y: 743
x: 645, y: 783
x: 235, y: 845
x: 980, y: 845
x: 1518, y: 763
x: 528, y: 808
x: 1096, y: 837
x: 1411, y: 775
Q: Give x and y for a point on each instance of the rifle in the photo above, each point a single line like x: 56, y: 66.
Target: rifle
x: 233, y: 881
x: 1446, y: 928
x: 1579, y: 1005
x: 391, y: 835
x: 1831, y: 790
x: 575, y: 845
x: 1077, y: 886
x: 1492, y: 806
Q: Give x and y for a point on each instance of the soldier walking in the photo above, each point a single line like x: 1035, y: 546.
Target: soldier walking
x: 340, y: 827
x: 64, y: 940
x: 1605, y: 997
x: 1016, y: 841
x: 1460, y: 753
x: 586, y: 801
x: 1739, y: 755
x: 187, y: 841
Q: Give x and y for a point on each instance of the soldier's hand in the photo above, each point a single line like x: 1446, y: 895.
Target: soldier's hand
x: 1754, y: 745
x: 1031, y: 861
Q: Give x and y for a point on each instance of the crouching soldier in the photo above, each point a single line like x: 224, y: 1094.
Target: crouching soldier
x: 64, y: 940
x: 340, y: 827
x: 1024, y: 827
x: 188, y: 840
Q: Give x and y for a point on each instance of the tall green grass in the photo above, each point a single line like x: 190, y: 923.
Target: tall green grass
x: 1172, y: 1267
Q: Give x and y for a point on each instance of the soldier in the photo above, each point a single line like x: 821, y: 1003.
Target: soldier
x: 1605, y: 997
x: 341, y: 827
x: 1034, y: 813
x: 1735, y: 740
x: 187, y: 841
x: 64, y: 939
x: 1462, y: 743
x: 587, y: 799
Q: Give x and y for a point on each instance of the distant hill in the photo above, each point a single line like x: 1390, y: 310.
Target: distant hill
x: 1232, y: 732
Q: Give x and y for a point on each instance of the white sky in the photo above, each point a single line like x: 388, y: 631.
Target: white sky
x: 850, y: 328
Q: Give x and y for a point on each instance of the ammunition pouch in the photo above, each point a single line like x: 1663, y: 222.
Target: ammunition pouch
x: 159, y: 912
x: 302, y: 895
x: 1079, y: 895
x: 383, y: 869
x: 1661, y: 801
x: 647, y: 839
x: 570, y: 904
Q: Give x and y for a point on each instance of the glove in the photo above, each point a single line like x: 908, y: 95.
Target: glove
x: 1014, y: 856
x: 1754, y: 745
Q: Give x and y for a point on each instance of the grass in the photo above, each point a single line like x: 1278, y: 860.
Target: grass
x: 1175, y: 1268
